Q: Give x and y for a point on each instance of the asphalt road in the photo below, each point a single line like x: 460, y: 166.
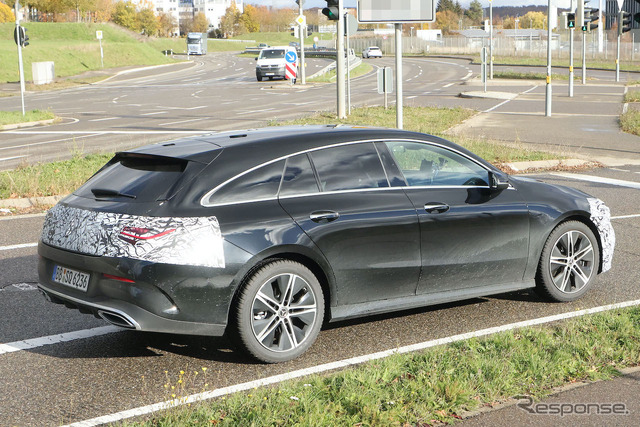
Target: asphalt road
x: 55, y: 382
x: 216, y: 92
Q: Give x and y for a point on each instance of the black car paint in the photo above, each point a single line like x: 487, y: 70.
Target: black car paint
x: 386, y: 273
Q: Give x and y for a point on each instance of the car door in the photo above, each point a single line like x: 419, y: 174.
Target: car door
x: 367, y: 230
x: 471, y: 235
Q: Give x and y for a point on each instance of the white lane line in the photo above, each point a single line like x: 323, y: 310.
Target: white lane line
x: 599, y: 179
x: 19, y: 246
x: 411, y: 97
x: 154, y: 113
x: 183, y: 121
x: 144, y: 410
x: 507, y: 100
x: 626, y: 216
x: 255, y: 111
x: 90, y: 134
x: 468, y: 75
x: 448, y: 85
x: 30, y: 344
x: 27, y: 216
x: 11, y: 158
x: 103, y: 119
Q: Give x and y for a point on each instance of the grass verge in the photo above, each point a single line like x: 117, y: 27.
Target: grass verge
x: 524, y: 60
x: 63, y: 177
x: 437, y: 384
x: 630, y: 122
x: 329, y: 77
x: 433, y: 121
x: 530, y: 76
x: 632, y: 96
x: 13, y: 117
x: 50, y: 179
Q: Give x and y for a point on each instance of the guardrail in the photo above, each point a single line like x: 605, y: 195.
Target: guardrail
x: 308, y: 52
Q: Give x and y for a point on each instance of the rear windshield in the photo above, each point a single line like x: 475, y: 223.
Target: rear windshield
x: 272, y: 53
x: 193, y: 40
x: 138, y: 178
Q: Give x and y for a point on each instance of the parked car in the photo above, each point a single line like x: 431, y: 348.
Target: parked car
x: 263, y: 46
x: 372, y: 52
x: 271, y: 62
x: 265, y: 234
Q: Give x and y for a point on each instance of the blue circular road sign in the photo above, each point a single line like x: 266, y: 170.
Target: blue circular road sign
x: 291, y: 57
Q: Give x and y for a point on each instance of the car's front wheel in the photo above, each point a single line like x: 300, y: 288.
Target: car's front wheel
x: 569, y: 262
x: 279, y: 311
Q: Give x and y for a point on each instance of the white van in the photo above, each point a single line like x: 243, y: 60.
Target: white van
x: 271, y: 62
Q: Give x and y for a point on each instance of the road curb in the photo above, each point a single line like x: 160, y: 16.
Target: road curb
x: 27, y: 124
x: 30, y: 202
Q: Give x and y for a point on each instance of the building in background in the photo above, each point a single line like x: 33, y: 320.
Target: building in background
x: 215, y: 9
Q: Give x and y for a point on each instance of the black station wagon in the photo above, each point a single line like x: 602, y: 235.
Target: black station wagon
x: 266, y: 234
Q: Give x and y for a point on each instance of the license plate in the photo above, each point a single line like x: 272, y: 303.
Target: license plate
x: 269, y: 74
x: 72, y: 278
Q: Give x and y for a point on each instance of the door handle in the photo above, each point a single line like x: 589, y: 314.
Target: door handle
x: 436, y: 207
x: 324, y: 216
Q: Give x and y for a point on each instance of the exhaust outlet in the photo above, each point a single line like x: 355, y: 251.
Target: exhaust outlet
x: 116, y: 319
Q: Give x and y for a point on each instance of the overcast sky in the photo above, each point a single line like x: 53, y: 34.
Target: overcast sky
x: 352, y: 3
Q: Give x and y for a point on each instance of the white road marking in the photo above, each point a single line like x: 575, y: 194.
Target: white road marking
x: 103, y: 119
x: 448, y: 85
x: 507, y: 100
x: 255, y: 111
x: 27, y: 216
x: 154, y: 113
x: 183, y: 121
x: 626, y: 216
x: 599, y: 179
x: 94, y: 133
x: 144, y: 410
x: 411, y: 97
x: 44, y: 132
x: 19, y: 246
x: 29, y: 344
x: 12, y: 158
x: 21, y: 287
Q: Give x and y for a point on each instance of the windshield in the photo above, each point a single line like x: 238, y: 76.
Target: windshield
x: 272, y: 53
x: 191, y: 40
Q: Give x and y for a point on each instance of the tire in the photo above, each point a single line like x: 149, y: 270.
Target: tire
x: 569, y: 262
x: 279, y: 311
x: 259, y: 78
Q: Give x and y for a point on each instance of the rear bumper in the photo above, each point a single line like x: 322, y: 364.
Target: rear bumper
x: 160, y: 297
x: 129, y: 316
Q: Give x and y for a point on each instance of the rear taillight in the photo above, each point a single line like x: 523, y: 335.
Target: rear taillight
x: 134, y: 235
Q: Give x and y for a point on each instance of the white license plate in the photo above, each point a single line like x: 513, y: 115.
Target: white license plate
x: 72, y: 278
x: 269, y: 74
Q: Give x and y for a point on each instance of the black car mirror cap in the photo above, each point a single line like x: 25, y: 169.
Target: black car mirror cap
x: 498, y: 181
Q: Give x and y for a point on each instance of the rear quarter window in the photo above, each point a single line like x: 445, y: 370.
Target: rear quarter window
x: 259, y: 184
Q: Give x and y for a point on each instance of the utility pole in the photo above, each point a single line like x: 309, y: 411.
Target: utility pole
x: 302, y: 33
x: 491, y: 39
x: 340, y: 62
x: 19, y: 43
x: 399, y: 109
x: 547, y: 110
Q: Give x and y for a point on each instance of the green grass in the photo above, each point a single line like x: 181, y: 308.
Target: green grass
x: 630, y: 122
x: 11, y: 117
x: 73, y: 48
x: 530, y: 76
x: 330, y: 77
x: 632, y: 96
x: 50, y: 179
x: 433, y: 121
x: 434, y: 385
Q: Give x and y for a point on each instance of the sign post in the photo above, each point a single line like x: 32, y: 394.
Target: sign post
x: 374, y: 11
x: 385, y: 82
x: 483, y: 69
x: 19, y: 43
x: 302, y: 22
x: 99, y: 37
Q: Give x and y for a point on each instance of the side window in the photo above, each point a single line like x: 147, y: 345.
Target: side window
x: 349, y: 167
x: 298, y: 177
x: 262, y: 183
x: 424, y: 164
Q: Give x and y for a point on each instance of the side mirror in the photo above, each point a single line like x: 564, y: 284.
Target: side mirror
x: 256, y: 58
x: 498, y: 181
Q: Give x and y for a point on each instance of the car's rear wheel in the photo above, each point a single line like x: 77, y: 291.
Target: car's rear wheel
x: 279, y: 311
x: 569, y: 262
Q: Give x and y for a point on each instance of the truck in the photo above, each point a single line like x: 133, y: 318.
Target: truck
x: 196, y: 43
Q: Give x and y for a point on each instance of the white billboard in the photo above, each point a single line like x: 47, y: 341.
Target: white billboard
x: 397, y: 10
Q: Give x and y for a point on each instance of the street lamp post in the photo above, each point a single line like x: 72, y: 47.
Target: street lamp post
x: 516, y: 36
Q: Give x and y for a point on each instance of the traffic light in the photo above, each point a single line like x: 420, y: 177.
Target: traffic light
x: 571, y: 20
x: 331, y: 11
x: 485, y: 25
x: 20, y: 36
x: 624, y: 22
x: 590, y: 17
